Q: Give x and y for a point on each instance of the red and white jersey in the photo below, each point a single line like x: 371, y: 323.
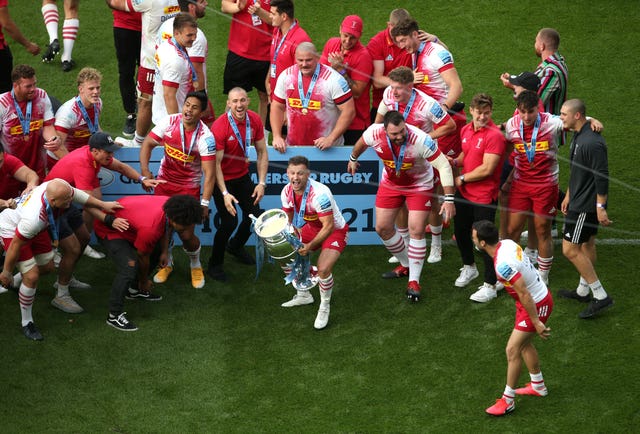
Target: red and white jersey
x: 154, y: 13
x: 7, y: 172
x: 249, y: 35
x: 30, y: 217
x: 235, y: 163
x: 70, y: 121
x: 424, y: 113
x: 285, y: 45
x: 359, y: 67
x: 174, y: 70
x: 544, y: 167
x: 29, y: 149
x: 415, y: 171
x: 512, y: 264
x: 330, y: 90
x: 381, y: 47
x: 320, y: 203
x: 197, y: 52
x: 181, y: 162
x: 433, y: 61
x: 475, y: 144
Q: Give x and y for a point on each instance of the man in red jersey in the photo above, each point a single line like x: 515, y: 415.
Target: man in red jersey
x: 12, y: 167
x: 249, y: 43
x: 235, y: 133
x: 189, y: 152
x: 483, y: 150
x: 151, y: 222
x: 352, y: 60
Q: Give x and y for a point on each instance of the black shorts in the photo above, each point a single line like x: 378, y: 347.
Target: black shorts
x: 69, y: 222
x: 245, y: 73
x: 579, y: 227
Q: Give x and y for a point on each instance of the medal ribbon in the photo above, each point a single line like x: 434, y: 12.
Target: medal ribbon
x: 236, y: 131
x: 180, y: 48
x: 275, y: 53
x: 298, y: 216
x: 417, y: 54
x: 407, y: 109
x: 304, y: 100
x: 530, y: 150
x: 52, y: 220
x: 399, y: 159
x: 25, y: 119
x: 183, y: 136
x: 93, y: 126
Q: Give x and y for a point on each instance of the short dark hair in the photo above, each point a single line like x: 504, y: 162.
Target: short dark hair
x: 284, y: 7
x: 183, y: 209
x: 550, y: 37
x: 481, y: 100
x: 200, y: 96
x: 405, y: 28
x: 298, y: 160
x: 392, y: 117
x: 183, y: 20
x: 527, y: 100
x: 22, y: 71
x: 184, y: 5
x: 487, y: 232
x: 401, y: 74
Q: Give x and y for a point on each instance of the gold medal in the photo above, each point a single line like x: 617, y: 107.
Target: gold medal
x: 195, y: 85
x: 26, y: 137
x: 305, y: 111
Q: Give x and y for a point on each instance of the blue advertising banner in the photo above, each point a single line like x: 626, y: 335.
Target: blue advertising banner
x: 355, y: 194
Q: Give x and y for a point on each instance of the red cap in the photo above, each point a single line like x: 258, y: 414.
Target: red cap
x: 352, y: 24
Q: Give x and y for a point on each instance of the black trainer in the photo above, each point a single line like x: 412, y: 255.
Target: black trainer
x: 396, y: 273
x: 68, y: 65
x: 596, y: 306
x: 31, y: 332
x: 241, y: 254
x: 129, y: 128
x: 133, y: 294
x: 573, y: 295
x: 121, y: 322
x: 51, y: 51
x: 216, y: 272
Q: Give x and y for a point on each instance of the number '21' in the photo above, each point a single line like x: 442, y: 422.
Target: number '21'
x: 351, y: 214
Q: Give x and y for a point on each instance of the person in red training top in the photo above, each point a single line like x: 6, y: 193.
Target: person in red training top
x: 352, y: 60
x: 12, y: 167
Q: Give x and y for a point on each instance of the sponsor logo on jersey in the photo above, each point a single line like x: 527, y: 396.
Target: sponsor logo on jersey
x: 540, y: 147
x: 445, y: 57
x: 211, y: 144
x: 437, y: 111
x: 297, y: 103
x: 178, y: 155
x: 389, y: 58
x: 392, y: 165
x: 33, y: 126
x: 522, y: 323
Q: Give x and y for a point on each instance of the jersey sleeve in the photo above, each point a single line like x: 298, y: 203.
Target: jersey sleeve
x: 287, y: 205
x: 206, y: 143
x: 157, y: 133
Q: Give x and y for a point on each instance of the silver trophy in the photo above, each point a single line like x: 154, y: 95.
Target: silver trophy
x: 277, y: 234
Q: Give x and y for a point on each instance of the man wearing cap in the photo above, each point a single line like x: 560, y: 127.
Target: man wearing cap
x: 316, y: 101
x: 352, y: 60
x: 27, y: 233
x: 80, y: 169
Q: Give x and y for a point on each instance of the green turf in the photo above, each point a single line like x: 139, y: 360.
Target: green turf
x: 227, y: 358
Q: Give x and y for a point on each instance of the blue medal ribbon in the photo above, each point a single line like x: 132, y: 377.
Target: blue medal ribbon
x: 244, y: 145
x: 180, y: 48
x: 183, y: 140
x: 277, y: 50
x: 52, y: 220
x: 25, y: 119
x: 417, y: 54
x: 398, y: 159
x: 298, y: 216
x: 530, y: 150
x: 306, y: 98
x: 407, y: 109
x: 93, y: 126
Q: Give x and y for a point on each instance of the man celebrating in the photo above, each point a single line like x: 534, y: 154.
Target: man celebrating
x: 585, y: 206
x: 533, y: 308
x: 235, y: 133
x: 189, y: 152
x: 352, y: 60
x: 316, y: 100
x: 409, y: 156
x: 151, y: 222
x: 313, y: 212
x: 27, y: 232
x: 26, y: 122
x: 483, y: 150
